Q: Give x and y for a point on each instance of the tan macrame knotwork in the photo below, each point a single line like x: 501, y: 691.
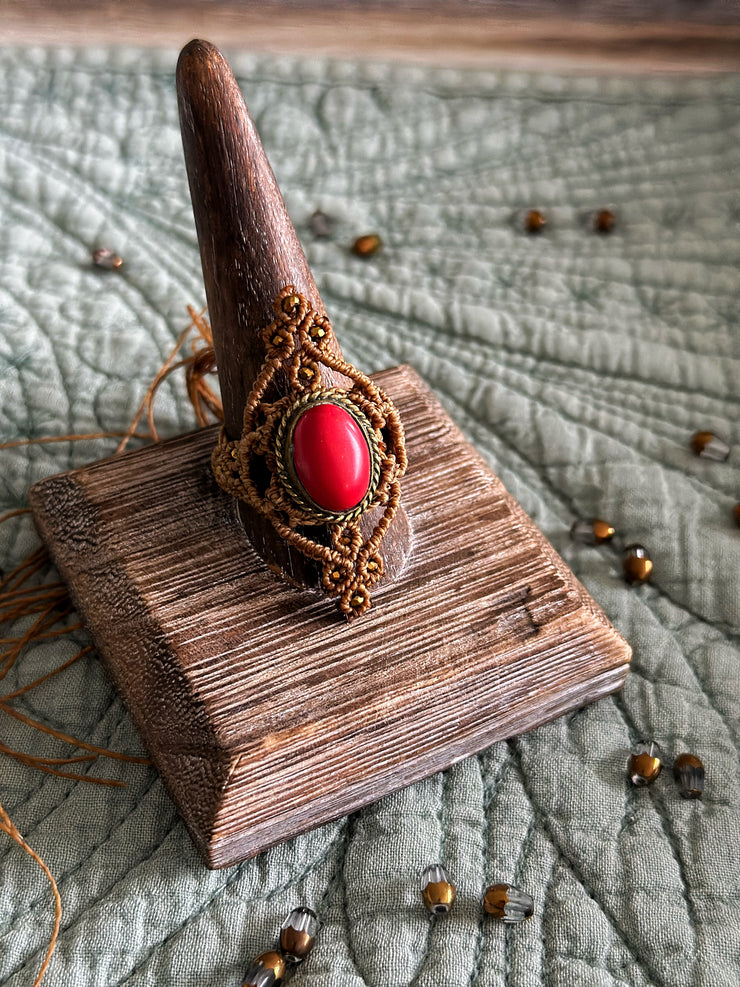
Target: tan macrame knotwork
x: 255, y: 467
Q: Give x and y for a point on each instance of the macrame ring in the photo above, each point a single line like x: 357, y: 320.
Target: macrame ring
x: 284, y: 455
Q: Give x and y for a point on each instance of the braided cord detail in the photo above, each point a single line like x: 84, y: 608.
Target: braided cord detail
x: 297, y: 343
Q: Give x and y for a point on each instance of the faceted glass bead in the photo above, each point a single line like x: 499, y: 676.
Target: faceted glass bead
x: 437, y: 889
x: 710, y: 446
x: 604, y: 221
x: 535, y: 221
x: 331, y: 457
x: 298, y: 934
x: 637, y: 564
x: 266, y: 971
x: 644, y: 765
x: 688, y: 771
x: 320, y: 224
x: 591, y: 531
x: 508, y: 904
x: 107, y: 259
x: 366, y: 246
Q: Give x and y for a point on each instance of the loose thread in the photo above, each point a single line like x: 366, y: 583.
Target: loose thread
x: 201, y: 362
x: 47, y: 439
x: 49, y: 602
x: 8, y: 827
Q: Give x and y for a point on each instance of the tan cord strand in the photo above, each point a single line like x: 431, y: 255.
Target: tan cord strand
x: 8, y: 827
x: 49, y: 602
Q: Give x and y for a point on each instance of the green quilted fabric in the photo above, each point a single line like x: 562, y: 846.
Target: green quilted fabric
x: 578, y: 364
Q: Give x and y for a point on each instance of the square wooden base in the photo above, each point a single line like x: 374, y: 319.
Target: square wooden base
x: 264, y: 712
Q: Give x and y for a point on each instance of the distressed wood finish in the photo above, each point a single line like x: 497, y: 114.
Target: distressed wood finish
x: 265, y: 713
x: 249, y: 252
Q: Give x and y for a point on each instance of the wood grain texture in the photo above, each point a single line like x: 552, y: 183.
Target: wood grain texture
x: 265, y: 713
x: 619, y: 35
x: 249, y: 253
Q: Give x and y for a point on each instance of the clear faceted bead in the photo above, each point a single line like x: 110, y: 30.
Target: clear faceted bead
x: 710, y: 446
x: 688, y: 771
x: 645, y: 764
x: 298, y: 934
x: 321, y: 225
x: 591, y: 531
x: 508, y: 904
x: 437, y: 889
x: 636, y: 564
x: 266, y: 971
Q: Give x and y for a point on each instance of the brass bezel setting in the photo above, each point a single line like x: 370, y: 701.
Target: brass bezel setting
x: 284, y: 455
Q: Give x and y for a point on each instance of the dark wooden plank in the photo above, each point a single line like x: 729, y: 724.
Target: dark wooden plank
x: 614, y: 36
x: 264, y: 712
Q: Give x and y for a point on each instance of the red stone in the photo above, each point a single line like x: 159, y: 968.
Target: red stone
x: 331, y: 457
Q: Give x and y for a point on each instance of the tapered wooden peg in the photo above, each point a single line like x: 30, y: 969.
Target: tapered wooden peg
x: 249, y: 252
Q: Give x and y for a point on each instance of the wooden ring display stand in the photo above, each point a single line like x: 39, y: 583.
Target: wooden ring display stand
x: 264, y: 712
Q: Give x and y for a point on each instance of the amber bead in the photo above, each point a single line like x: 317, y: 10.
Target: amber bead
x: 710, y: 446
x: 266, y: 971
x: 437, y: 890
x: 107, y: 259
x: 508, y: 904
x: 298, y: 934
x: 604, y: 221
x: 637, y: 564
x: 535, y: 221
x: 644, y: 766
x: 366, y: 246
x: 591, y: 531
x: 688, y: 771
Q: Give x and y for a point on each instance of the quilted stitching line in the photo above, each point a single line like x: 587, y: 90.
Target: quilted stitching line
x: 727, y: 630
x: 490, y: 790
x: 668, y: 831
x: 544, y: 826
x: 79, y: 866
x: 227, y: 885
x: 405, y: 334
x: 53, y: 783
x: 349, y: 935
x: 440, y: 813
x: 698, y: 482
x: 64, y: 931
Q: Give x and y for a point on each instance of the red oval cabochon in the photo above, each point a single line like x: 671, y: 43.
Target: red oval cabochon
x: 331, y: 457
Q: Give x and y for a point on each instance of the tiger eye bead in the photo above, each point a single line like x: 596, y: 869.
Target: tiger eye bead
x: 266, y: 971
x: 298, y: 934
x: 710, y: 446
x: 366, y: 246
x: 535, y: 221
x: 437, y: 890
x: 688, y: 771
x: 637, y: 564
x: 591, y: 531
x: 604, y: 221
x: 644, y: 766
x: 508, y: 904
